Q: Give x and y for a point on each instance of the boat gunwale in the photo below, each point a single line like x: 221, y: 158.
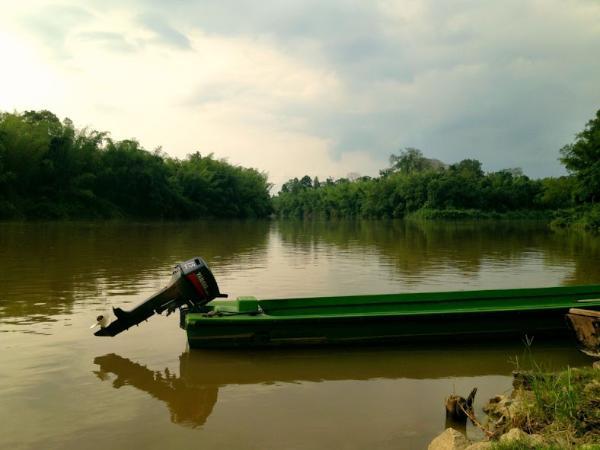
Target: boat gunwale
x: 193, y: 318
x: 426, y: 297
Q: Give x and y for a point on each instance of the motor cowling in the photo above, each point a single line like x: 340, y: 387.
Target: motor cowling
x: 200, y: 278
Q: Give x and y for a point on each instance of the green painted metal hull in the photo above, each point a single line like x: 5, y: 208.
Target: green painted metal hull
x: 386, y: 318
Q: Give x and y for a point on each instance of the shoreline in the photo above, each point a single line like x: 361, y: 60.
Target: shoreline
x: 545, y: 410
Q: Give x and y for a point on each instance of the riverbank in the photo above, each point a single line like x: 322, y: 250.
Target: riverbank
x: 586, y: 218
x: 476, y: 214
x: 545, y: 411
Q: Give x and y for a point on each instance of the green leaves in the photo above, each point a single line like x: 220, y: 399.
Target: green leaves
x: 582, y: 158
x: 413, y: 183
x: 48, y: 169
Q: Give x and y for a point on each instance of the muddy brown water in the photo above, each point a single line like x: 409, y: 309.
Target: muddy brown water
x: 63, y: 388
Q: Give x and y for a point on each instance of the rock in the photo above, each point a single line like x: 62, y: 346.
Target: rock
x: 501, y: 406
x: 596, y: 365
x: 450, y: 439
x: 483, y: 445
x: 592, y: 389
x: 498, y: 399
x: 514, y: 434
x: 497, y: 406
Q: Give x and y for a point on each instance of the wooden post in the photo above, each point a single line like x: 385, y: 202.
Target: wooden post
x: 458, y: 409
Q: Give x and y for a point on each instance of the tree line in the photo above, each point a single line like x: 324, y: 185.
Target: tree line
x: 50, y: 169
x: 416, y: 185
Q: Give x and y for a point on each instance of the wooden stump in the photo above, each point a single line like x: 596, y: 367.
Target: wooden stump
x: 458, y: 410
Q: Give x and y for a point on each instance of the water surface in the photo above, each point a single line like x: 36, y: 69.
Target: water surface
x: 61, y: 387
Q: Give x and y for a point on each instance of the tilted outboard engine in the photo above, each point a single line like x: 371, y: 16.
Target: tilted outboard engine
x: 192, y: 285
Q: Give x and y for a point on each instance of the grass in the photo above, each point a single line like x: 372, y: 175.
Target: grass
x: 522, y: 445
x: 564, y: 408
x: 526, y: 445
x: 569, y: 401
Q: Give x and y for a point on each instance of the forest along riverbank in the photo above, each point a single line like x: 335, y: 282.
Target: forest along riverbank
x: 51, y: 170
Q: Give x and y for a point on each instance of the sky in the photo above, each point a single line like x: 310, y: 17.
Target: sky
x: 324, y: 88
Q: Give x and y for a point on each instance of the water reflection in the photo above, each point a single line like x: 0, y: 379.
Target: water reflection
x: 188, y: 405
x: 54, y: 277
x: 192, y: 396
x: 416, y: 250
x: 46, y: 267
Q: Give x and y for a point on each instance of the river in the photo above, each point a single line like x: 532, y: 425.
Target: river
x: 63, y: 388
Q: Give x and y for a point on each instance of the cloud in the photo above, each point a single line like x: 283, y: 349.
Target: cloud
x: 490, y: 80
x: 164, y: 32
x: 53, y: 23
x: 112, y: 41
x: 330, y: 86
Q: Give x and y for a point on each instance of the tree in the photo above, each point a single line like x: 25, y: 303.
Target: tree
x: 306, y: 182
x: 468, y: 168
x: 557, y: 193
x: 49, y: 169
x: 582, y: 158
x: 411, y: 160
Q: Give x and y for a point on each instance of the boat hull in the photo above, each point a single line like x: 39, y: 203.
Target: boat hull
x: 388, y: 318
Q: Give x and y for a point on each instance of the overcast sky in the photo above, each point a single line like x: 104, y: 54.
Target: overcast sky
x: 321, y: 87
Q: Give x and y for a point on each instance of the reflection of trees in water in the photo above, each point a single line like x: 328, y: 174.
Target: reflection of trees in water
x: 583, y: 249
x: 47, y: 266
x: 414, y: 248
x: 192, y: 396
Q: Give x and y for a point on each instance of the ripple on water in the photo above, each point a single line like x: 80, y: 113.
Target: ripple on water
x: 57, y: 277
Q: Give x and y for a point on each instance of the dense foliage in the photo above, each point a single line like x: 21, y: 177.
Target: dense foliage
x: 418, y: 186
x: 582, y: 158
x: 414, y: 183
x: 49, y: 169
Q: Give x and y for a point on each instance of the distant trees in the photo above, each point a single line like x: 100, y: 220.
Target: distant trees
x: 413, y: 182
x: 49, y: 169
x: 410, y: 160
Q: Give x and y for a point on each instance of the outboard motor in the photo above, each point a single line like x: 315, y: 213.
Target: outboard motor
x: 192, y: 285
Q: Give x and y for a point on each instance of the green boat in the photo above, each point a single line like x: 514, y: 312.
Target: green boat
x: 212, y: 322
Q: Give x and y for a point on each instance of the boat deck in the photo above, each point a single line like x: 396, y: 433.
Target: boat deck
x: 406, y: 304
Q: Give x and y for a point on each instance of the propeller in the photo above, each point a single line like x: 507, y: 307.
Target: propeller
x: 101, y: 321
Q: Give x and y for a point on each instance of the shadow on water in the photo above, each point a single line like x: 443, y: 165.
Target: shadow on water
x: 192, y: 396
